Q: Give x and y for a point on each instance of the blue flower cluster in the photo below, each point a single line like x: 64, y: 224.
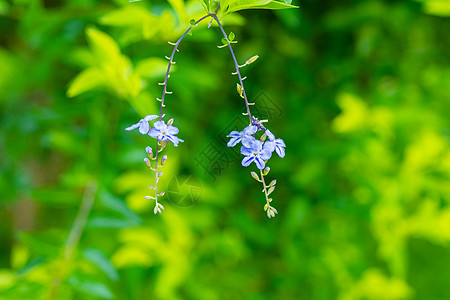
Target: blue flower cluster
x: 256, y: 150
x: 161, y: 131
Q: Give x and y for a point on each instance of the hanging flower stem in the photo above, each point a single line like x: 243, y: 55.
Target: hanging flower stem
x: 236, y: 65
x: 171, y: 62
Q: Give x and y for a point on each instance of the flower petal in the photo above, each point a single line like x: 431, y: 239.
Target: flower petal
x: 247, y: 141
x: 134, y: 126
x: 257, y: 145
x: 265, y: 154
x: 234, y: 141
x: 160, y: 125
x: 247, y: 160
x: 251, y: 129
x: 280, y: 151
x: 234, y: 134
x: 280, y: 142
x: 154, y: 132
x: 246, y: 151
x: 144, y: 127
x: 270, y: 135
x: 269, y: 145
x: 172, y: 129
x: 163, y: 138
x: 260, y: 164
x: 150, y: 117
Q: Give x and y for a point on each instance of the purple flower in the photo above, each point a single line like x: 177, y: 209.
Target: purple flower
x: 275, y: 144
x: 143, y: 125
x: 257, y: 153
x: 245, y: 136
x: 163, y: 132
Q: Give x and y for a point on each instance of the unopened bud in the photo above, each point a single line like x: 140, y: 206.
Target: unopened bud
x: 254, y: 175
x: 160, y: 173
x: 163, y: 160
x: 147, y: 161
x: 266, y: 171
x: 240, y: 90
x: 252, y: 59
x: 170, y: 122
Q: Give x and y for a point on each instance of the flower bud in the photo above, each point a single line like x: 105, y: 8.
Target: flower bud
x: 254, y: 175
x: 163, y: 160
x: 266, y: 171
x: 252, y: 59
x: 170, y: 122
x: 160, y: 173
x: 147, y: 161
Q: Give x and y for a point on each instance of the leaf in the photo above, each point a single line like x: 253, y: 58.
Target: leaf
x: 437, y: 7
x: 275, y: 5
x: 103, y: 46
x: 178, y: 6
x: 87, y: 80
x: 153, y: 67
x: 110, y: 223
x: 110, y: 201
x: 224, y: 41
x: 99, y: 259
x: 126, y: 16
x: 93, y: 288
x: 231, y: 36
x: 236, y: 5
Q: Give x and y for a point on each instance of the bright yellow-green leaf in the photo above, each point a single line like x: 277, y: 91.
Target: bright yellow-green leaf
x: 131, y: 256
x: 354, y: 114
x: 437, y: 7
x: 178, y: 6
x: 127, y: 15
x: 236, y: 5
x: 85, y: 81
x: 153, y: 67
x: 103, y: 46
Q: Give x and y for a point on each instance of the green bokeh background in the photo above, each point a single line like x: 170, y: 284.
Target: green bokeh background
x: 358, y: 90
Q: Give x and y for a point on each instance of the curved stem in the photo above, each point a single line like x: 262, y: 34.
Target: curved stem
x: 164, y: 95
x: 171, y: 61
x: 237, y: 67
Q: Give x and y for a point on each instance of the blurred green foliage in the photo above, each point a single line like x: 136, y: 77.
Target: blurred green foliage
x: 361, y: 91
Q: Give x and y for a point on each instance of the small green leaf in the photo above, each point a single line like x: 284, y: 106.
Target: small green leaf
x: 192, y: 22
x: 224, y: 41
x: 231, y: 36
